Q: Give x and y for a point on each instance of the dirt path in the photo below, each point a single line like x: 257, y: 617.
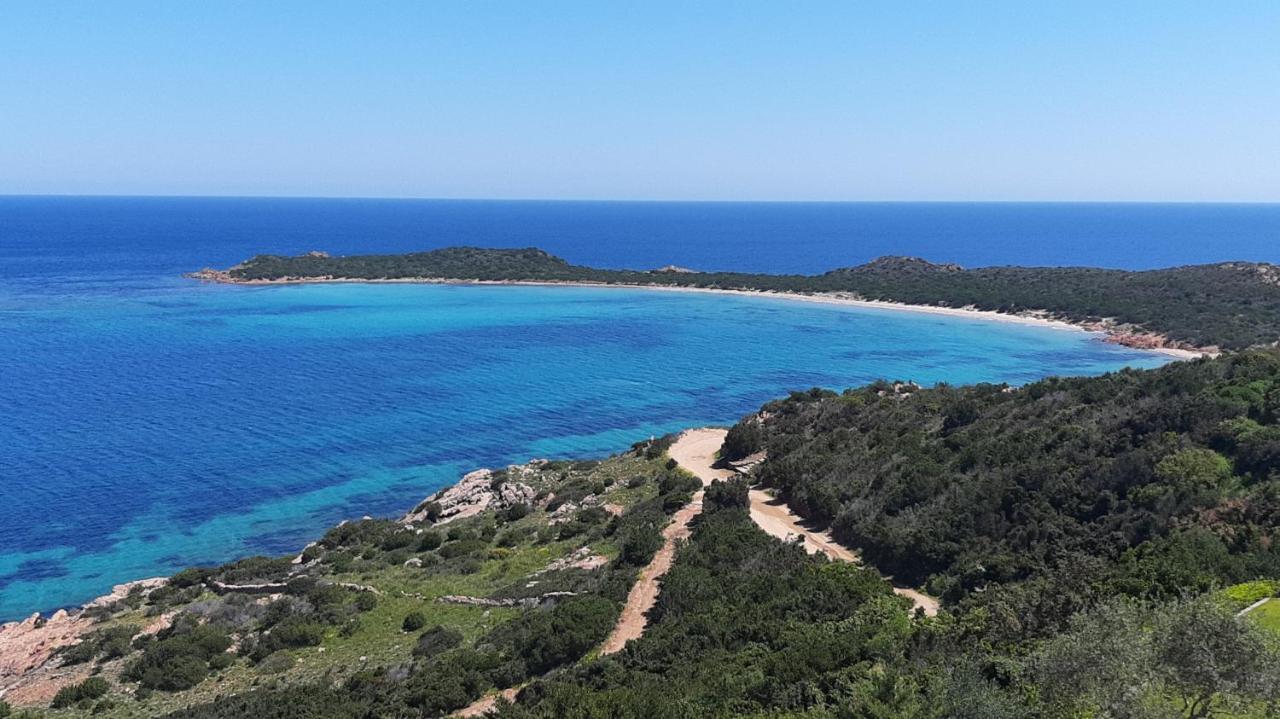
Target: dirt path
x: 694, y: 450
x: 774, y: 516
x: 487, y: 703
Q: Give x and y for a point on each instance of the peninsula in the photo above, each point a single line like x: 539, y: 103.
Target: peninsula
x: 1202, y: 308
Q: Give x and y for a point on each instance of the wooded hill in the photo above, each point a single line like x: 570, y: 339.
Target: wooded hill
x: 1038, y: 501
x: 1231, y: 305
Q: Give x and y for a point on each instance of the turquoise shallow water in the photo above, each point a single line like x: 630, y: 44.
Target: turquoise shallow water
x: 172, y: 423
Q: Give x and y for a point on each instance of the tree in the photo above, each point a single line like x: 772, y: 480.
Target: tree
x: 1129, y: 659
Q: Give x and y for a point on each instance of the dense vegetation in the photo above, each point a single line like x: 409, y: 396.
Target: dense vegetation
x: 1035, y: 502
x: 1232, y: 305
x: 747, y: 626
x: 751, y: 627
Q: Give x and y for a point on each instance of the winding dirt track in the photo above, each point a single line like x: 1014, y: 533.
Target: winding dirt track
x: 696, y: 452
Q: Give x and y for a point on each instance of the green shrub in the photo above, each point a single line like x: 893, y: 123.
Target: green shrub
x: 462, y: 548
x: 189, y: 577
x: 277, y: 663
x: 430, y: 541
x: 436, y: 640
x: 89, y: 689
x: 366, y: 601
x: 179, y: 659
x: 639, y: 545
x: 297, y: 632
x: 254, y: 570
x: 413, y: 621
x: 221, y: 661
x: 544, y: 640
x: 398, y: 540
x: 110, y: 643
x: 515, y: 535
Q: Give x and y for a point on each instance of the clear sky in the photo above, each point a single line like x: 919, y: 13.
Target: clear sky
x: 648, y: 100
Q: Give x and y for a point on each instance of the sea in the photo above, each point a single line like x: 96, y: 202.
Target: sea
x: 149, y: 422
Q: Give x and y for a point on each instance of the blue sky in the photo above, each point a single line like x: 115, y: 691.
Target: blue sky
x: 1175, y: 101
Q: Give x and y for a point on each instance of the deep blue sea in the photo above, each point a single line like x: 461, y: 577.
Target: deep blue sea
x: 149, y: 422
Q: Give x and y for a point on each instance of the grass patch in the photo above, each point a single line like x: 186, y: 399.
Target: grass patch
x: 1268, y: 616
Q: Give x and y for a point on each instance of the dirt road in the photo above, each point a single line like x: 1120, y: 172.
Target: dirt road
x: 693, y: 449
x: 697, y: 454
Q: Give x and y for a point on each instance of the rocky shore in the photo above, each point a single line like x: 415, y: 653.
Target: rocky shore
x: 30, y: 671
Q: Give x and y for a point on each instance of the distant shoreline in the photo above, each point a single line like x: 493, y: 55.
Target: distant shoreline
x: 1148, y: 342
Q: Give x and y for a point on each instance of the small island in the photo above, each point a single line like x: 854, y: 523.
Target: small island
x: 1199, y: 308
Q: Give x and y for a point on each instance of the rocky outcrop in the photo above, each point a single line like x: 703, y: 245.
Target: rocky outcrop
x: 29, y: 668
x: 209, y: 274
x: 477, y: 492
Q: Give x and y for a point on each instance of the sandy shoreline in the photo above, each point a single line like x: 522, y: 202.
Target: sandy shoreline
x: 1127, y: 339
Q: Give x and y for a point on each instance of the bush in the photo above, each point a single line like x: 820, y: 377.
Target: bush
x: 89, y: 689
x: 277, y: 663
x: 728, y: 494
x: 189, y: 577
x: 430, y: 541
x: 544, y: 640
x: 366, y: 532
x: 398, y: 540
x: 515, y: 535
x: 180, y: 658
x: 462, y: 547
x: 254, y: 570
x: 297, y: 632
x: 221, y: 661
x: 366, y: 601
x: 639, y: 545
x: 436, y: 640
x: 413, y: 621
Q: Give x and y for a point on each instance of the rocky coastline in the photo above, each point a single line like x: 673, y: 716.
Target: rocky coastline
x: 31, y: 668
